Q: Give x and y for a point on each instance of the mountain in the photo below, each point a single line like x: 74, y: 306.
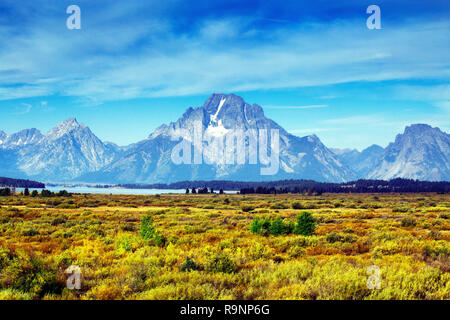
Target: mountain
x: 67, y: 151
x: 421, y: 152
x: 150, y: 160
x: 362, y: 163
x: 3, y: 137
x: 197, y: 147
x: 23, y: 138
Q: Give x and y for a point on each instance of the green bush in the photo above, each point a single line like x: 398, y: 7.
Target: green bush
x: 265, y: 226
x: 159, y: 239
x: 149, y: 233
x: 4, y: 258
x: 31, y: 275
x: 278, y: 227
x: 58, y: 221
x: 127, y: 227
x: 147, y: 230
x: 30, y: 233
x: 278, y: 206
x: 247, y: 208
x: 220, y: 262
x: 188, y: 265
x: 334, y: 237
x: 259, y: 224
x: 408, y: 222
x: 297, y: 205
x: 305, y: 224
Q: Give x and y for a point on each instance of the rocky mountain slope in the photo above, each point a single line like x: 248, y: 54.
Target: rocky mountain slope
x: 421, y: 152
x: 71, y: 152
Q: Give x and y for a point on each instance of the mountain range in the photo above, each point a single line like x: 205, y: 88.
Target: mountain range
x: 71, y: 152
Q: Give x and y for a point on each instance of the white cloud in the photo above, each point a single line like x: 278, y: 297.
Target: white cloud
x: 149, y: 59
x: 23, y: 109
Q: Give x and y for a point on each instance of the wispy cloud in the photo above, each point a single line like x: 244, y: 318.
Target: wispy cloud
x: 112, y: 60
x: 23, y: 109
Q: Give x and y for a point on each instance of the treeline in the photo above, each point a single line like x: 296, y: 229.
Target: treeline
x: 20, y: 183
x: 359, y: 186
x: 306, y: 186
x: 5, y: 192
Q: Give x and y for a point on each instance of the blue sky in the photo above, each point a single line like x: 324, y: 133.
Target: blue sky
x: 312, y: 65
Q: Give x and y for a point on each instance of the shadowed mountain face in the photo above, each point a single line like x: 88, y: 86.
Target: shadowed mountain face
x: 71, y: 152
x: 362, y: 163
x: 64, y: 153
x: 421, y: 152
x: 3, y: 137
x: 150, y: 160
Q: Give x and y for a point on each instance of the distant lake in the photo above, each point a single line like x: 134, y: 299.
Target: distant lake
x: 110, y: 190
x: 114, y: 190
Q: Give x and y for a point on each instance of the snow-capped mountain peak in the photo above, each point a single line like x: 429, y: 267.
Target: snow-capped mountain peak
x: 150, y: 160
x: 23, y: 138
x: 421, y: 152
x: 63, y: 128
x: 70, y: 151
x: 3, y: 137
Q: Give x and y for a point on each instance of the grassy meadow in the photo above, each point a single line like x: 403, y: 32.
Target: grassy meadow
x: 202, y: 246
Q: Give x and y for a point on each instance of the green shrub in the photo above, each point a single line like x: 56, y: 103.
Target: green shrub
x: 247, y: 208
x: 259, y: 224
x: 278, y: 206
x: 4, y: 258
x: 149, y: 233
x: 31, y: 275
x: 220, y: 262
x: 264, y: 226
x: 277, y: 226
x: 297, y: 205
x: 408, y: 222
x: 127, y: 227
x: 147, y: 230
x: 30, y: 233
x: 58, y: 221
x: 306, y: 224
x: 159, y: 239
x: 334, y: 237
x: 188, y: 265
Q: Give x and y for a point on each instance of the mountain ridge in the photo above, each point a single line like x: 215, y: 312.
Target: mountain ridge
x: 70, y: 151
